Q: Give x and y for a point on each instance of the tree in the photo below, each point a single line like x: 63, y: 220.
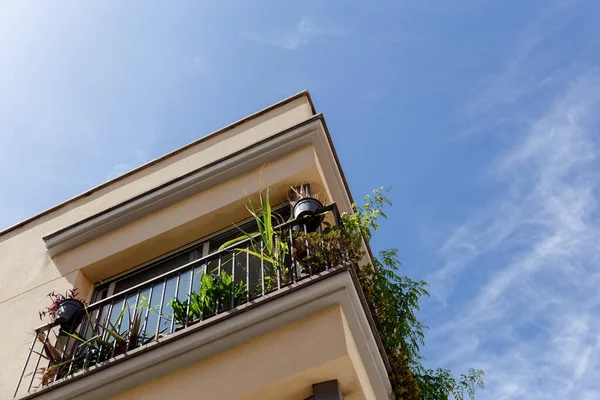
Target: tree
x: 394, y: 301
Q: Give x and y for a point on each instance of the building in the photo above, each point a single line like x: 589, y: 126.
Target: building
x: 140, y: 240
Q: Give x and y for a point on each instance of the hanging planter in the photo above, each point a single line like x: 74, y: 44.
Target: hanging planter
x: 306, y: 211
x: 306, y: 207
x: 70, y: 314
x: 66, y: 309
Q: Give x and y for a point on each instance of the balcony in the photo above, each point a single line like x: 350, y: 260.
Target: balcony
x: 185, y: 300
x: 290, y: 328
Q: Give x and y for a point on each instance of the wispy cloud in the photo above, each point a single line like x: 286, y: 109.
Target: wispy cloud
x: 519, y: 74
x: 534, y: 255
x: 301, y: 35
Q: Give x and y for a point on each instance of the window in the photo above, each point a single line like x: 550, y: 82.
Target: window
x: 177, y: 259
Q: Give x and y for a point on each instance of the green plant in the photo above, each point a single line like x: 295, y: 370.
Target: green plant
x: 57, y: 358
x: 57, y: 299
x: 217, y: 292
x: 108, y: 340
x: 394, y: 301
x: 316, y: 252
x: 267, y: 243
x: 300, y: 192
x: 104, y: 342
x: 65, y: 359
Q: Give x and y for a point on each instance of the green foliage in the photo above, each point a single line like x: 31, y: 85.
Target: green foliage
x: 394, y: 302
x: 404, y: 384
x: 267, y: 243
x: 317, y: 251
x: 216, y: 293
x: 438, y: 384
x: 106, y: 341
x: 109, y: 340
x: 57, y: 359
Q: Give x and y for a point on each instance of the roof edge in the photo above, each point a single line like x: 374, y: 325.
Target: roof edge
x: 304, y: 93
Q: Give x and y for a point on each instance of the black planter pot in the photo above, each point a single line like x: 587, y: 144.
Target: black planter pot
x: 69, y: 314
x: 305, y: 211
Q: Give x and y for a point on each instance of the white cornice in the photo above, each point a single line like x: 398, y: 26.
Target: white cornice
x: 309, y: 132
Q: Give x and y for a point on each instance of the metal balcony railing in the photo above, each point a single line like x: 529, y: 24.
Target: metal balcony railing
x: 187, y: 295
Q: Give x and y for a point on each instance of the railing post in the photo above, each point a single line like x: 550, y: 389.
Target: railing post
x: 160, y: 310
x: 37, y: 364
x: 177, y: 297
x: 292, y: 258
x: 26, y: 364
x: 103, y: 334
x: 248, y: 273
x: 189, y: 297
x: 205, y: 272
x: 338, y: 224
x: 307, y: 250
x: 218, y: 277
x: 66, y: 347
x: 143, y: 331
x: 233, y: 279
x: 262, y: 268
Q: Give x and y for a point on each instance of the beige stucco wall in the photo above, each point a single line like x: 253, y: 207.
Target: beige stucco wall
x: 320, y: 347
x: 29, y: 273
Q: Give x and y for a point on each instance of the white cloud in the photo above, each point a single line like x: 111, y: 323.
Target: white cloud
x: 301, y: 35
x: 518, y: 75
x: 533, y: 255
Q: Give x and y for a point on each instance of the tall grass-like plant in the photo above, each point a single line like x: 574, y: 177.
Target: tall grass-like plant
x: 105, y: 340
x: 267, y: 243
x: 57, y: 358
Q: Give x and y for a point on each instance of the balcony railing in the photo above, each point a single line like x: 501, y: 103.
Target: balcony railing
x: 187, y: 295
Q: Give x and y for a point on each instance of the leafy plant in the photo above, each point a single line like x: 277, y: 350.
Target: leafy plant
x: 300, y: 192
x: 58, y: 298
x: 394, y: 301
x: 217, y: 292
x: 105, y: 341
x: 108, y: 340
x: 56, y: 360
x: 267, y: 243
x: 318, y: 251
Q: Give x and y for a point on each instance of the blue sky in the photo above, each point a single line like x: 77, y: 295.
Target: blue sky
x: 482, y: 116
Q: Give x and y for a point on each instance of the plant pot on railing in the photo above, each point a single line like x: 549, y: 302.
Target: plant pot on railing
x: 66, y: 309
x: 69, y: 314
x: 306, y: 211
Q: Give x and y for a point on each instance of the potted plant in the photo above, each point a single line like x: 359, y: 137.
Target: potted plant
x: 57, y: 358
x: 318, y: 251
x: 67, y: 309
x: 268, y: 243
x: 306, y: 207
x: 215, y: 292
